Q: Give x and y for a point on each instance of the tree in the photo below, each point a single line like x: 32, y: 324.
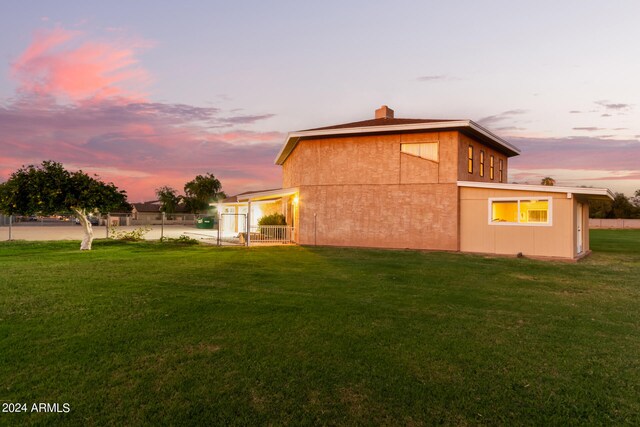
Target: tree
x: 201, y: 191
x: 600, y: 209
x: 636, y: 199
x: 169, y: 199
x: 621, y: 207
x: 49, y: 188
x: 548, y: 181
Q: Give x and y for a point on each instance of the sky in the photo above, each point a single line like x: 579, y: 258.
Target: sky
x: 153, y: 93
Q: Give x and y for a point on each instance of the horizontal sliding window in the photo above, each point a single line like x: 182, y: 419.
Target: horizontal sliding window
x: 520, y: 211
x: 426, y: 150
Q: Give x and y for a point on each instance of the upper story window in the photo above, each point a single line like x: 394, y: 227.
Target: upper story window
x: 470, y: 161
x: 500, y: 170
x: 425, y: 150
x: 520, y: 211
x: 491, y: 167
x: 481, y: 171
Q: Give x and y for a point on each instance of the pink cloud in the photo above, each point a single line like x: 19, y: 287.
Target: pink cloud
x: 62, y: 63
x: 74, y: 106
x: 578, y: 161
x: 139, y: 149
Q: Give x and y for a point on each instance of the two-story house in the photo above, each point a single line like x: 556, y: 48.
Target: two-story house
x: 421, y: 184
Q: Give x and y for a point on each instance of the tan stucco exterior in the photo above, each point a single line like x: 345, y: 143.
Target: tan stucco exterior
x: 418, y: 216
x: 352, y: 185
x: 559, y: 239
x: 363, y: 191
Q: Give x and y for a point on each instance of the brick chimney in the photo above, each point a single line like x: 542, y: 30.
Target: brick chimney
x: 384, y: 112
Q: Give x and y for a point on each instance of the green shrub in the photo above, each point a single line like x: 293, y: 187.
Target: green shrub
x: 182, y: 240
x: 131, y: 236
x: 273, y: 219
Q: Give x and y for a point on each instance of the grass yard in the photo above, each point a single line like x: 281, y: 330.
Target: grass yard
x: 150, y: 333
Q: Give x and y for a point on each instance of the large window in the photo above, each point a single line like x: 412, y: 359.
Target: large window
x: 470, y: 161
x: 481, y: 171
x: 426, y: 150
x: 520, y: 211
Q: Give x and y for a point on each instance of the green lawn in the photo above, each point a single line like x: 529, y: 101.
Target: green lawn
x: 149, y: 333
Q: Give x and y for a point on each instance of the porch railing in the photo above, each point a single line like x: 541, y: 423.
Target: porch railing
x: 271, y: 234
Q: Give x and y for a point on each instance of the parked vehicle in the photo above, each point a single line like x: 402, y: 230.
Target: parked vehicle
x: 94, y: 220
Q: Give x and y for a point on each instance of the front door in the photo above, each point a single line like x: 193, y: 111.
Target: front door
x: 579, y: 221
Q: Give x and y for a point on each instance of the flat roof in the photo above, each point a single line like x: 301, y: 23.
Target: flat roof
x: 468, y: 127
x: 261, y: 195
x: 587, y: 191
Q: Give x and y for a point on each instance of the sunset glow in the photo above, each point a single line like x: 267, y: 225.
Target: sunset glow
x: 145, y: 106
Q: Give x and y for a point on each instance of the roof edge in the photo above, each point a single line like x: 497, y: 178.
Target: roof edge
x: 257, y: 195
x: 603, y: 192
x: 294, y: 137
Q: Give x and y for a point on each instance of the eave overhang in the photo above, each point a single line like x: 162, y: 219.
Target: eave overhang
x: 467, y: 127
x: 588, y: 193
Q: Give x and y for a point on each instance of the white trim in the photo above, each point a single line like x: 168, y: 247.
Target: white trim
x: 290, y: 144
x: 542, y: 188
x: 281, y: 192
x: 549, y: 222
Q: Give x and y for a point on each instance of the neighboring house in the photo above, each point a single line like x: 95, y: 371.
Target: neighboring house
x: 420, y: 184
x: 149, y: 213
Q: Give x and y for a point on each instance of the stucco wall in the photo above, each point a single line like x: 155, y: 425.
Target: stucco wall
x: 463, y: 172
x: 477, y: 235
x: 614, y: 223
x: 370, y: 159
x: 417, y: 216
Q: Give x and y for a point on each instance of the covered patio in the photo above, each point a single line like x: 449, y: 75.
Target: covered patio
x: 239, y: 217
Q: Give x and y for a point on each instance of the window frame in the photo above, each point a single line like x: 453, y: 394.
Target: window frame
x: 500, y: 170
x: 549, y: 222
x: 470, y: 159
x: 481, y: 166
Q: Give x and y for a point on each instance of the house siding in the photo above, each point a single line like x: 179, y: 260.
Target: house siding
x: 418, y: 216
x: 477, y: 235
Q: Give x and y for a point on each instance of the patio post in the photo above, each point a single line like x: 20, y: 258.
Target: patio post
x: 248, y: 222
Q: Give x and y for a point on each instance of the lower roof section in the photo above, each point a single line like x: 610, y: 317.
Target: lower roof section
x: 267, y: 194
x: 591, y: 193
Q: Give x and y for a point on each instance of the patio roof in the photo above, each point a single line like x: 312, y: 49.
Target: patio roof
x: 261, y: 195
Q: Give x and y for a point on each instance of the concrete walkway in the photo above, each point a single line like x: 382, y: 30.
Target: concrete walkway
x: 72, y: 232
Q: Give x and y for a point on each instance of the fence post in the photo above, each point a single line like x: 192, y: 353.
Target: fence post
x: 10, y: 225
x: 164, y: 214
x: 219, y: 221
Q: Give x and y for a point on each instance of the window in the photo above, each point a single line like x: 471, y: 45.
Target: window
x: 470, y: 162
x: 425, y: 150
x: 481, y: 171
x: 500, y: 176
x: 491, y: 168
x: 520, y: 211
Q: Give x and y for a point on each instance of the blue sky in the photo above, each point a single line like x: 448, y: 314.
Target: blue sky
x: 222, y: 82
